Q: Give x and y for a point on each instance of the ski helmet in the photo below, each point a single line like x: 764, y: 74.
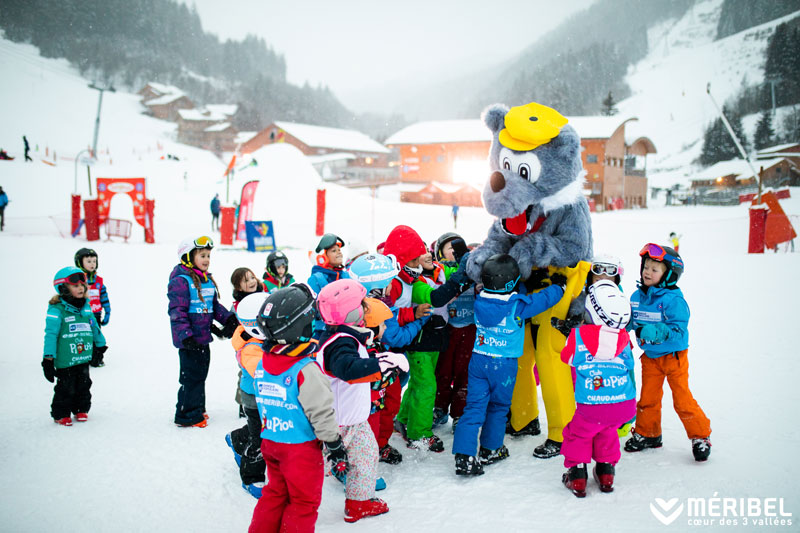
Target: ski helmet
x: 609, y: 265
x: 441, y: 241
x: 500, y: 274
x: 71, y: 275
x: 374, y: 271
x: 84, y: 252
x: 286, y: 315
x: 606, y: 305
x: 247, y: 313
x: 329, y: 240
x: 669, y: 257
x: 340, y: 302
x: 275, y: 260
x: 377, y: 313
x: 187, y: 246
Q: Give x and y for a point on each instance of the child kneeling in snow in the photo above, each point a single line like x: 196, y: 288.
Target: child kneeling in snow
x: 604, y: 389
x: 295, y: 404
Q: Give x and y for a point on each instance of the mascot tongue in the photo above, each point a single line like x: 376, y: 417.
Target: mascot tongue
x: 517, y: 225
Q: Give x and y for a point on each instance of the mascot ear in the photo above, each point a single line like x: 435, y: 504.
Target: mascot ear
x: 493, y: 117
x: 567, y: 143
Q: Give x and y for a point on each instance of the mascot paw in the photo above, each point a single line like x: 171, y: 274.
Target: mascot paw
x: 523, y: 256
x: 475, y: 262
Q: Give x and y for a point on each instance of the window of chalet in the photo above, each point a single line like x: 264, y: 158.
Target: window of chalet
x: 591, y: 158
x: 426, y: 159
x: 440, y: 159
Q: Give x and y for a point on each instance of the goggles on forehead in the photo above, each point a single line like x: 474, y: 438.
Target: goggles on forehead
x: 203, y: 242
x: 72, y: 279
x: 604, y: 268
x: 654, y: 251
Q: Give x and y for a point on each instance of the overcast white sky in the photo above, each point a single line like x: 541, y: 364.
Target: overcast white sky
x: 353, y: 44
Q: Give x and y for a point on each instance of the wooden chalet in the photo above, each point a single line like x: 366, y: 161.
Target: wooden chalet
x: 209, y: 128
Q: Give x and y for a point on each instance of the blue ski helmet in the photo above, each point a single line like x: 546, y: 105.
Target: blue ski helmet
x: 374, y: 271
x: 70, y: 274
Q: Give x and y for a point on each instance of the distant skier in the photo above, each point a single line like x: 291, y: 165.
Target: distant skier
x: 27, y: 149
x: 675, y: 239
x: 3, y: 204
x: 215, y: 209
x: 455, y: 215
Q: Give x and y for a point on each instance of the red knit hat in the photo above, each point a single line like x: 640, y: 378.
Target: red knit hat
x: 404, y: 244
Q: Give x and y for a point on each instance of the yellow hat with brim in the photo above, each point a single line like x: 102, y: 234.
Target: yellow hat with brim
x: 377, y: 312
x: 530, y: 126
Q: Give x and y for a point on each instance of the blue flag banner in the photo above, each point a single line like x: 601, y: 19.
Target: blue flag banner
x: 260, y: 236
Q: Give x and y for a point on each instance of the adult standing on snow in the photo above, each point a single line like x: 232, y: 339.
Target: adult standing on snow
x: 215, y: 208
x: 3, y: 204
x: 27, y: 149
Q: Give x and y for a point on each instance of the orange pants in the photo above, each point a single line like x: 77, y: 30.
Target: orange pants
x: 648, y: 410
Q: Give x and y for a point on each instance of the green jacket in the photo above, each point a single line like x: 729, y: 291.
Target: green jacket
x: 70, y: 334
x: 421, y: 291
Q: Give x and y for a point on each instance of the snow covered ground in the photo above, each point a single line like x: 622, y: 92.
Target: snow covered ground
x: 130, y: 469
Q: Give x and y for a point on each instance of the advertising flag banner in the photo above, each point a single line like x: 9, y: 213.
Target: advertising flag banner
x: 245, y: 209
x: 260, y: 236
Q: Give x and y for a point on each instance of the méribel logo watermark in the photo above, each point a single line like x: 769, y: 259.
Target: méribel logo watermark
x: 718, y: 511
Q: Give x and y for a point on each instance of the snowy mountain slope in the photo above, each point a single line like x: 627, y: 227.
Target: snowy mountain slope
x: 669, y: 85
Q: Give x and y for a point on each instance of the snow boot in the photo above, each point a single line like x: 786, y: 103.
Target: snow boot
x: 439, y: 417
x: 638, y: 443
x: 254, y: 488
x: 431, y: 444
x: 66, y: 421
x: 575, y: 480
x: 533, y: 428
x: 548, y: 449
x: 355, y: 510
x: 489, y: 457
x: 236, y: 457
x: 400, y: 428
x: 82, y: 417
x: 203, y: 423
x: 390, y: 455
x: 603, y: 473
x: 468, y: 465
x: 701, y: 449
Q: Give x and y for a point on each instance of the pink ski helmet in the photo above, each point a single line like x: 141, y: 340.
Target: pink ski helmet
x: 340, y: 302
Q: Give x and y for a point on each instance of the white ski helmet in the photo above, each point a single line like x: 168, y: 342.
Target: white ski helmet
x: 186, y: 247
x: 247, y: 313
x: 607, y: 264
x: 606, y: 305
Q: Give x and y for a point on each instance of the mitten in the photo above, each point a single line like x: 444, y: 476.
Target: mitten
x: 565, y: 326
x: 106, y: 317
x: 49, y: 369
x: 190, y: 344
x: 97, y: 355
x: 460, y: 250
x: 387, y: 360
x: 536, y: 279
x: 216, y: 331
x: 560, y: 280
x: 654, y: 333
x: 230, y: 327
x: 337, y: 456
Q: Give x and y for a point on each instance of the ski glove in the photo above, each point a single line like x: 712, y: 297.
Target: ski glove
x: 560, y: 280
x: 460, y: 249
x: 565, y: 326
x: 388, y: 360
x: 106, y: 316
x: 654, y: 333
x: 216, y: 331
x: 337, y: 456
x: 190, y: 344
x: 49, y: 369
x: 230, y: 327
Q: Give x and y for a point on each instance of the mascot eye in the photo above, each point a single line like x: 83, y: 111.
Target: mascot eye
x: 506, y: 164
x: 524, y: 171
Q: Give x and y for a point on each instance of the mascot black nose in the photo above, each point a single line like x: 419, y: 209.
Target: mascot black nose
x: 497, y: 181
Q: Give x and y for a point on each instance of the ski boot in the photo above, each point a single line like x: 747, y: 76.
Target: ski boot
x: 603, y: 473
x: 66, y: 421
x: 468, y: 465
x: 236, y: 456
x: 431, y: 444
x: 82, y: 417
x: 532, y: 428
x: 548, y: 449
x: 638, y: 443
x: 389, y: 455
x: 439, y: 417
x: 400, y: 428
x: 203, y: 423
x: 355, y: 510
x: 489, y: 457
x: 254, y: 488
x: 701, y: 449
x: 575, y: 480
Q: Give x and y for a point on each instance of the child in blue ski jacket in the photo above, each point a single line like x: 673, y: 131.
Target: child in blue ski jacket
x: 329, y: 267
x: 500, y: 314
x: 193, y: 306
x: 71, y: 337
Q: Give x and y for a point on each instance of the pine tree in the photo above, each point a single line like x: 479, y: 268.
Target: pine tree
x: 765, y: 135
x: 609, y: 106
x: 717, y: 143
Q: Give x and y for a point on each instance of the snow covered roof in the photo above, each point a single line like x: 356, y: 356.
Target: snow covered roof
x: 339, y: 139
x: 163, y: 89
x: 224, y: 109
x: 222, y: 126
x: 778, y: 148
x: 244, y: 136
x: 597, y: 127
x: 442, y: 131
x: 165, y: 99
x: 202, y: 114
x: 736, y: 167
x: 326, y: 158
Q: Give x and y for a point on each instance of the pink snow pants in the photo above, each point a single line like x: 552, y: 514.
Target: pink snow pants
x: 592, y: 433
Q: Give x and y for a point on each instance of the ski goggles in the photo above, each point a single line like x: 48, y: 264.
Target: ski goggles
x: 280, y: 262
x: 657, y: 253
x: 329, y: 240
x: 72, y: 279
x: 605, y: 268
x: 203, y: 242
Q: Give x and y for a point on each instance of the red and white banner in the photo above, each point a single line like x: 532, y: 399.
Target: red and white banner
x: 133, y: 187
x: 245, y: 209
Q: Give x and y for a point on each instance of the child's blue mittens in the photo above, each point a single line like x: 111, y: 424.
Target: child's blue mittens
x: 106, y: 317
x: 654, y: 333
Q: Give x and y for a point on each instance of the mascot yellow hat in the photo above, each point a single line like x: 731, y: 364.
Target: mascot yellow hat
x: 529, y: 126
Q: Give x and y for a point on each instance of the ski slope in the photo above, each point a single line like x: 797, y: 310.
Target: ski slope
x: 130, y: 469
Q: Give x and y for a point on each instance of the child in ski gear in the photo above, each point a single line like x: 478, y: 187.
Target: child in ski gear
x: 329, y: 267
x: 276, y: 274
x: 500, y: 314
x: 193, y: 306
x: 86, y: 260
x: 661, y: 322
x: 344, y: 358
x: 675, y: 240
x: 244, y: 282
x: 71, y: 336
x: 604, y: 393
x: 295, y: 405
x: 246, y: 441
